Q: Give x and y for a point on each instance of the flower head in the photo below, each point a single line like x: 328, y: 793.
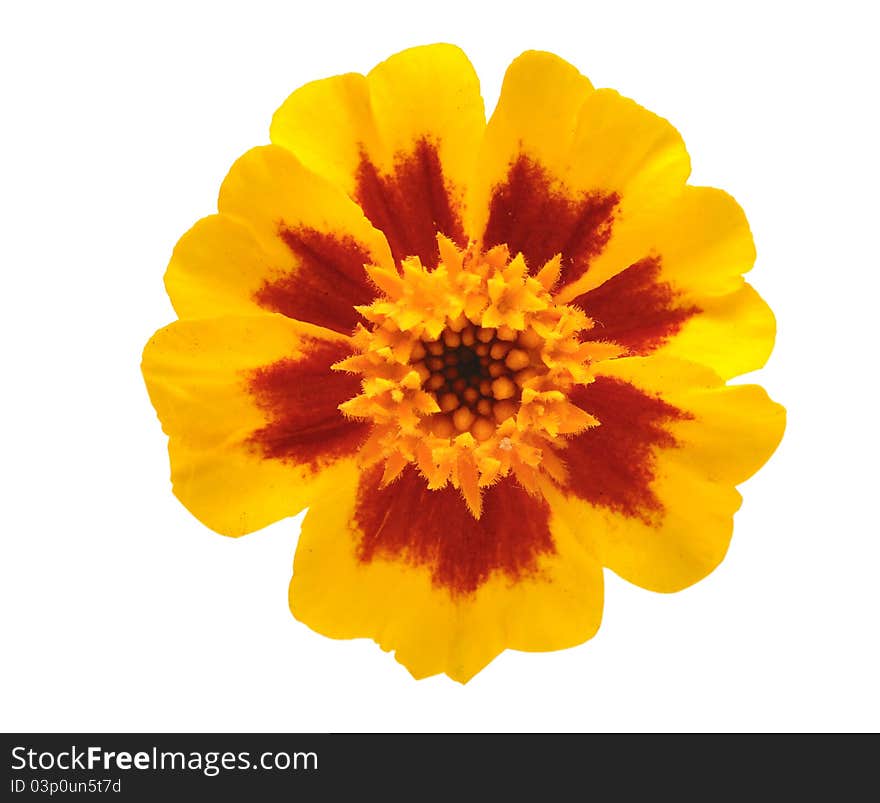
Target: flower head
x: 490, y: 358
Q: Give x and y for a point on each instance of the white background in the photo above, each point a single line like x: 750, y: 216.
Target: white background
x: 122, y: 612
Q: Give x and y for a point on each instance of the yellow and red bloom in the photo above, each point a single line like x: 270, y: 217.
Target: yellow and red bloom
x: 490, y: 358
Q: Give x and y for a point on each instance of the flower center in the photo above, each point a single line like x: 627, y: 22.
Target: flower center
x: 466, y: 371
x: 476, y: 374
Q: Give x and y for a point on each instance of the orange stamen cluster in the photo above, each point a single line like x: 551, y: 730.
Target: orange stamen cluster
x: 466, y: 371
x: 476, y: 374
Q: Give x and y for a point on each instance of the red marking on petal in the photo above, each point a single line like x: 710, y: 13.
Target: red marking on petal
x: 328, y: 283
x: 434, y: 528
x: 412, y: 204
x: 634, y: 309
x: 301, y: 397
x: 534, y: 215
x: 612, y: 465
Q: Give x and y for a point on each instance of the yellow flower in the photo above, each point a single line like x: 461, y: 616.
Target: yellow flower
x: 490, y: 358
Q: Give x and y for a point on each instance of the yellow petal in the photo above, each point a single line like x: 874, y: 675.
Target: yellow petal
x: 399, y: 603
x: 564, y: 167
x: 402, y: 141
x: 537, y: 113
x: 622, y: 146
x: 286, y: 241
x: 234, y: 464
x: 732, y: 430
x: 651, y: 489
x: 674, y: 286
